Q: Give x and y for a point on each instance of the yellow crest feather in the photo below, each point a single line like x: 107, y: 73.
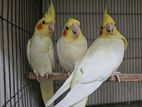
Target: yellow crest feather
x: 107, y: 18
x: 50, y: 14
x: 71, y: 21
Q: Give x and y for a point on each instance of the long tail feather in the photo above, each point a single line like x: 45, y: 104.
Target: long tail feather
x: 78, y: 93
x: 46, y: 87
x: 61, y: 90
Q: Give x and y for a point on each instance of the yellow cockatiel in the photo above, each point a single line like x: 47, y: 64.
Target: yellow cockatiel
x: 100, y: 61
x: 40, y: 51
x: 72, y: 45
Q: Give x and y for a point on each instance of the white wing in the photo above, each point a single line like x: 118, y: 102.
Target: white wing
x: 106, y: 58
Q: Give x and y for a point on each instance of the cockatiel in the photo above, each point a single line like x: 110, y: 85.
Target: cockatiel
x: 72, y: 45
x: 40, y: 51
x: 100, y: 61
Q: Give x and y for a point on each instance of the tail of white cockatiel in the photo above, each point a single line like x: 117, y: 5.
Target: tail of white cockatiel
x: 46, y: 86
x: 61, y: 90
x: 78, y: 94
x: 74, y: 97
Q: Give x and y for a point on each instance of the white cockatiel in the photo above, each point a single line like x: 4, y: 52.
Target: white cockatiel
x: 72, y: 45
x: 100, y: 61
x: 40, y: 51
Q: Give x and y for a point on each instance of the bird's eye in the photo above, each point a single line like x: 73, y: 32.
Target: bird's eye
x: 101, y: 27
x: 43, y: 22
x: 67, y: 28
x: 115, y: 24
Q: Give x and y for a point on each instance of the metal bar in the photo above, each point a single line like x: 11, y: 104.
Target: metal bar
x: 15, y: 25
x: 16, y: 41
x: 12, y: 43
x: 8, y: 51
x: 16, y: 94
x: 3, y: 53
x: 64, y: 76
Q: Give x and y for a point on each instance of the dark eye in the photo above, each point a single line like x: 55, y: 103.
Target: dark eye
x: 115, y: 24
x: 67, y: 28
x: 101, y: 27
x: 43, y: 22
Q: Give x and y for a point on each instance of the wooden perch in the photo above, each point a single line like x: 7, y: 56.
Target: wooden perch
x: 53, y: 76
x: 64, y: 76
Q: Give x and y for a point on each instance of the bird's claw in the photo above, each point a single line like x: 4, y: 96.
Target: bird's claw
x: 37, y: 77
x: 68, y: 74
x: 46, y: 76
x: 117, y: 75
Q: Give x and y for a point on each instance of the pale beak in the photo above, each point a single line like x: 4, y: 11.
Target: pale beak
x: 51, y: 27
x: 75, y: 29
x: 110, y: 27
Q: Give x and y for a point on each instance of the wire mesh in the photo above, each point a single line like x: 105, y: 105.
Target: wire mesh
x: 17, y: 21
x: 128, y: 16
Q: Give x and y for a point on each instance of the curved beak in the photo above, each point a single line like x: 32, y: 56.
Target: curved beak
x: 110, y: 27
x: 51, y: 27
x: 75, y: 29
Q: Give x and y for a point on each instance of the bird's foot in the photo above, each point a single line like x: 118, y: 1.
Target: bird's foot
x: 117, y: 73
x: 46, y: 75
x: 37, y: 77
x: 68, y: 74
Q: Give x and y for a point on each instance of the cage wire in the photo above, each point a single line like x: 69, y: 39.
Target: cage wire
x: 17, y: 21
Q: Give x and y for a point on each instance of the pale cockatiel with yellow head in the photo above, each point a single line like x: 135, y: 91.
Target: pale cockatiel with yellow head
x: 40, y: 51
x: 72, y: 45
x: 100, y: 61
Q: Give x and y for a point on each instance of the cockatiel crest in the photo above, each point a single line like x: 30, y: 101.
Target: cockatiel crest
x: 107, y: 18
x: 71, y: 21
x: 50, y: 14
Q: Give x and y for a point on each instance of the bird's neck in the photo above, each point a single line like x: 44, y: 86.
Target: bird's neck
x: 42, y: 34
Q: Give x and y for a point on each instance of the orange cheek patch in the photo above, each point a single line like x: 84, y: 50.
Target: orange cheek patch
x: 65, y: 33
x: 39, y: 26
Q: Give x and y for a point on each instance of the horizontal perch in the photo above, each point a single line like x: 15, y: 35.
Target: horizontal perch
x: 64, y: 76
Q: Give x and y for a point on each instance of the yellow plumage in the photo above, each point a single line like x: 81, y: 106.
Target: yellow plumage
x: 107, y: 18
x: 50, y: 14
x: 71, y: 21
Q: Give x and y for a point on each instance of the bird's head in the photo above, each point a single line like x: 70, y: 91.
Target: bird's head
x: 46, y: 24
x: 72, y: 29
x: 108, y: 26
